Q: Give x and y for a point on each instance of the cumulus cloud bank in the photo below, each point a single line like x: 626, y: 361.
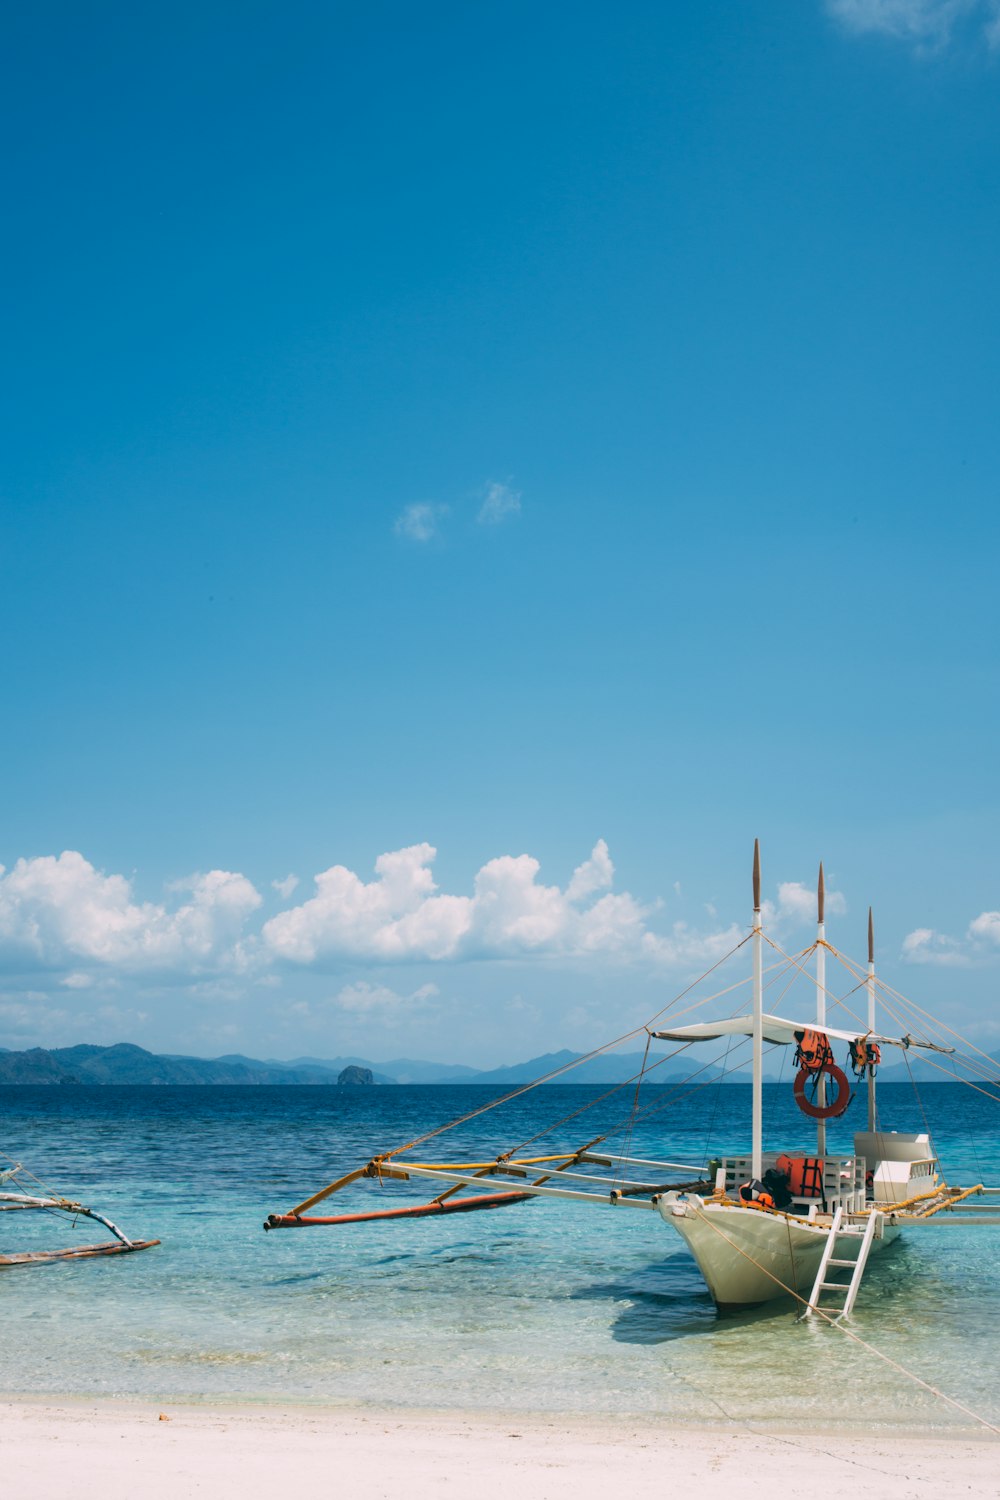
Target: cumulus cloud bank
x: 59, y: 911
x: 62, y: 916
x: 402, y: 916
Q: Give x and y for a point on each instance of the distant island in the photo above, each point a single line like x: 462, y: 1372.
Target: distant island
x: 352, y: 1076
x: 124, y: 1063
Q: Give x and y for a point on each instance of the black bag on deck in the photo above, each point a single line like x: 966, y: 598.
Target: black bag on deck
x: 777, y: 1185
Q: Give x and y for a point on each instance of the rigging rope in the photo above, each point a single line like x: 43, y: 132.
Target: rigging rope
x: 566, y: 1067
x: 660, y: 1106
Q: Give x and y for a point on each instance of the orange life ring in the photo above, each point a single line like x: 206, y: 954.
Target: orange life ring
x: 825, y: 1111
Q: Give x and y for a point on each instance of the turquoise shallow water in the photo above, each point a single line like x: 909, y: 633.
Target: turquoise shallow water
x: 539, y: 1307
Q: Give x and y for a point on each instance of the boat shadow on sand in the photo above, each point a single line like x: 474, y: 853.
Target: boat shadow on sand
x: 667, y: 1299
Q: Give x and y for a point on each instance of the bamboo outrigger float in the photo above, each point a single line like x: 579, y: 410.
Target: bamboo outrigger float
x: 63, y: 1208
x: 761, y: 1225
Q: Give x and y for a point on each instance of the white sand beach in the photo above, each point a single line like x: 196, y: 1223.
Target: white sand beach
x: 54, y: 1447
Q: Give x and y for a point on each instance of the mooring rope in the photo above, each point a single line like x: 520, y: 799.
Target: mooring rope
x: 849, y: 1332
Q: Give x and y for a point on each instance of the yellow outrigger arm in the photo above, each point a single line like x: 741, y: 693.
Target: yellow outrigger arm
x: 454, y: 1176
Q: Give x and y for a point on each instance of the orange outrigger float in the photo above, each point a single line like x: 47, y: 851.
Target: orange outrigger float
x: 417, y: 1211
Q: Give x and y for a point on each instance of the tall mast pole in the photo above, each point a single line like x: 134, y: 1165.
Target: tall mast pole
x: 821, y: 1000
x: 757, y: 1150
x: 870, y: 986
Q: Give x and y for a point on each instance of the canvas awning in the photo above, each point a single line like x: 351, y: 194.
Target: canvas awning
x: 780, y: 1032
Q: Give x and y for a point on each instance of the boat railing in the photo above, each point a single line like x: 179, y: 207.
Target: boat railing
x: 843, y: 1182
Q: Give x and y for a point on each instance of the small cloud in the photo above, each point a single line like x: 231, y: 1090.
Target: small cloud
x: 285, y: 887
x: 499, y: 503
x: 927, y: 25
x: 925, y: 946
x: 595, y: 874
x: 362, y: 998
x: 77, y: 981
x: 419, y: 522
x: 798, y: 901
x: 981, y: 944
x: 986, y: 929
x: 31, y: 1015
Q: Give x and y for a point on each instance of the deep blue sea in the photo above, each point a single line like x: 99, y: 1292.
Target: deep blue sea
x: 544, y: 1307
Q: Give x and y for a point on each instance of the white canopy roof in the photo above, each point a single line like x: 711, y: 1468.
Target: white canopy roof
x: 778, y: 1031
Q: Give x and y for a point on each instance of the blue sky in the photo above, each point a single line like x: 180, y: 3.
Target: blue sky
x: 511, y: 431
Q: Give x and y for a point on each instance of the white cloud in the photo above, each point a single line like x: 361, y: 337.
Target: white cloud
x: 980, y: 945
x: 364, y: 999
x: 60, y: 912
x: 925, y: 946
x: 401, y: 916
x: 394, y: 917
x: 798, y: 902
x: 595, y: 874
x: 285, y: 887
x: 986, y: 928
x: 85, y: 927
x: 499, y: 503
x: 926, y: 24
x: 419, y: 522
x: 31, y: 1016
x: 685, y: 947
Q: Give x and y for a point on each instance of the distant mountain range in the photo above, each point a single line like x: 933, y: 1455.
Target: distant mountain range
x: 127, y: 1064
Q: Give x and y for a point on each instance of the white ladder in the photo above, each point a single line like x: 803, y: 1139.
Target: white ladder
x: 828, y: 1259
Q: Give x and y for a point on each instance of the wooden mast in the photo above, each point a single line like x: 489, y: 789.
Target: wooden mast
x: 757, y: 1148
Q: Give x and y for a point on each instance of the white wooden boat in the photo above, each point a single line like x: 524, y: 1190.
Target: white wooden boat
x: 761, y: 1225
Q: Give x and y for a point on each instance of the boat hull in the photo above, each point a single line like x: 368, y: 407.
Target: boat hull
x: 748, y: 1257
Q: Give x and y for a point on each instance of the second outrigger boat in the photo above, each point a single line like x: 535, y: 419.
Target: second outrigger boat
x: 761, y: 1225
x: 22, y: 1193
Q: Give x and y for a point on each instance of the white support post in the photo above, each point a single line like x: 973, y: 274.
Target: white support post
x: 821, y: 1014
x: 870, y: 986
x: 757, y: 1144
x: 820, y: 1017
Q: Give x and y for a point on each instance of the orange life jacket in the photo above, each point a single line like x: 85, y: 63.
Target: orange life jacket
x: 814, y: 1052
x: 863, y: 1054
x: 804, y: 1173
x: 754, y: 1194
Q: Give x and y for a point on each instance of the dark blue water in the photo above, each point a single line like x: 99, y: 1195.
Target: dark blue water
x: 541, y: 1306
